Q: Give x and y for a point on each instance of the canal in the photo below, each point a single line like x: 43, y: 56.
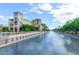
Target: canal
x: 48, y: 43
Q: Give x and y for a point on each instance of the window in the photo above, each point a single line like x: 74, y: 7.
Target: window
x: 15, y: 22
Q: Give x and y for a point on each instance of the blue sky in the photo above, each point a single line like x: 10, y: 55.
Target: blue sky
x: 54, y: 15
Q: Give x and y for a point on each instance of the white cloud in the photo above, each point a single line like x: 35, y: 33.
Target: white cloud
x: 45, y: 7
x: 3, y: 20
x: 42, y: 7
x: 37, y: 10
x: 2, y: 17
x: 64, y: 13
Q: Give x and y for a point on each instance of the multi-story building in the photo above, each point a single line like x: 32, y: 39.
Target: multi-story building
x: 16, y: 22
x: 44, y: 27
x: 37, y: 22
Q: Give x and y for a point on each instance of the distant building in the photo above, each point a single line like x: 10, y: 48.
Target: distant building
x: 44, y: 27
x: 37, y: 22
x: 16, y: 22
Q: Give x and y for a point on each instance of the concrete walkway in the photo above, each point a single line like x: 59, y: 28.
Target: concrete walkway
x: 7, y: 40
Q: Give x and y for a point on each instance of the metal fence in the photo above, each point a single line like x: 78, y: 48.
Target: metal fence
x: 5, y: 38
x: 14, y: 33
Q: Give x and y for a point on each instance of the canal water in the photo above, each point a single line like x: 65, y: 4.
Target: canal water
x: 48, y: 43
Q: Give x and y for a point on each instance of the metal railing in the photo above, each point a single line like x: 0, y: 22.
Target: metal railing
x: 9, y: 39
x: 14, y: 33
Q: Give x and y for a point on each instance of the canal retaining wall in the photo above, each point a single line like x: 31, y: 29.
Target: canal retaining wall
x: 15, y: 38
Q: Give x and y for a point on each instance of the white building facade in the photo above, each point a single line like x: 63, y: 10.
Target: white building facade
x: 16, y: 22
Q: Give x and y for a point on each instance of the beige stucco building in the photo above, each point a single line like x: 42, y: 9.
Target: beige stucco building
x: 38, y: 23
x: 16, y: 22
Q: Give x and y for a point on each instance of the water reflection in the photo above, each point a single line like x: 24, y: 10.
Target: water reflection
x: 73, y: 46
x: 49, y: 43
